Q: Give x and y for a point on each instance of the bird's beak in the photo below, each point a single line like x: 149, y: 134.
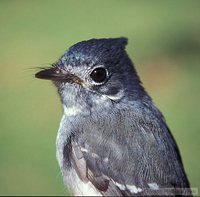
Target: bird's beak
x: 56, y: 74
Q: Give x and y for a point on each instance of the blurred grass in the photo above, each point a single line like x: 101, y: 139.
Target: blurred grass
x: 164, y: 43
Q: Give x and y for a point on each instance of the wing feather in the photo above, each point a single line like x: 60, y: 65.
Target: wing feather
x: 87, y: 170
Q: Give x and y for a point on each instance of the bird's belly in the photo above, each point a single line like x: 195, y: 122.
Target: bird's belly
x: 78, y: 187
x: 86, y: 189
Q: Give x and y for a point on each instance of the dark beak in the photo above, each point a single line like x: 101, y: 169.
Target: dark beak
x: 55, y: 74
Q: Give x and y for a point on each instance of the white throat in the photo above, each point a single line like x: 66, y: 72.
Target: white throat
x: 71, y: 111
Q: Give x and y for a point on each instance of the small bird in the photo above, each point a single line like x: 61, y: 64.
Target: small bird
x: 112, y: 140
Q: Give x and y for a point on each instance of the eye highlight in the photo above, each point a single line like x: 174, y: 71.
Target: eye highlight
x: 98, y: 75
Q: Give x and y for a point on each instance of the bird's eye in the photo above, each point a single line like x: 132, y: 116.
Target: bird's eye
x: 98, y: 75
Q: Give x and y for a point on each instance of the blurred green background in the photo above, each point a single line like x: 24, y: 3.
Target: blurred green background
x: 164, y: 43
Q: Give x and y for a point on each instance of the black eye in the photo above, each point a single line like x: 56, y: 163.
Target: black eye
x: 98, y: 75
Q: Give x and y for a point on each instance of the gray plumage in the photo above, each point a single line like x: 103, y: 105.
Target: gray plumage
x: 112, y: 140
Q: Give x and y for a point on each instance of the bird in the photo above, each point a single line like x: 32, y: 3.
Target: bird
x: 112, y: 139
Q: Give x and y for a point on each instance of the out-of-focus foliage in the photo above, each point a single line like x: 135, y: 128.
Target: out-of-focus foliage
x: 164, y: 43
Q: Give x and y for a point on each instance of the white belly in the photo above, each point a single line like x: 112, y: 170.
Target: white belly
x: 78, y: 187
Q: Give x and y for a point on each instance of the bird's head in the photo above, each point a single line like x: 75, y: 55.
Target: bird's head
x: 94, y: 72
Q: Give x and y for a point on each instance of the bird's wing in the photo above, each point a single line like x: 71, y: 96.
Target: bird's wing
x: 128, y: 156
x: 127, y: 167
x: 87, y: 168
